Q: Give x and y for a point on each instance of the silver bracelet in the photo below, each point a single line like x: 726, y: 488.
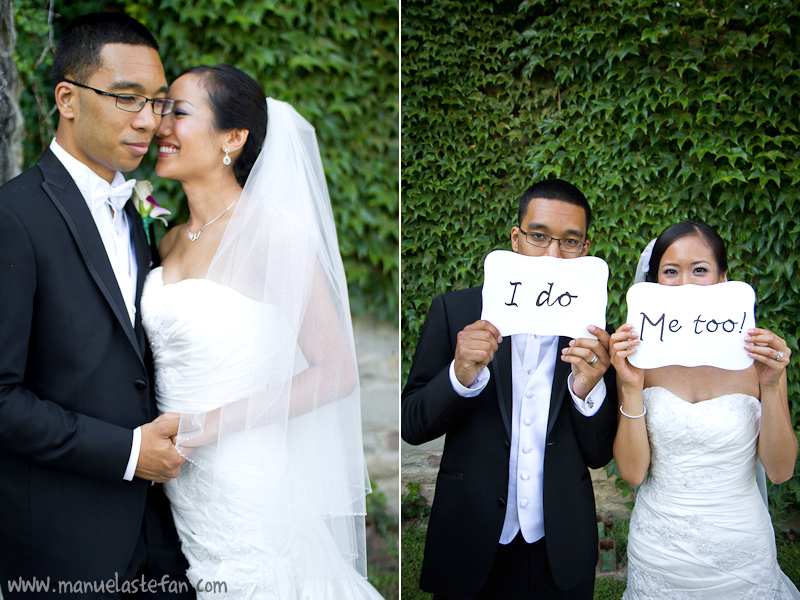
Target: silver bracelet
x: 624, y: 414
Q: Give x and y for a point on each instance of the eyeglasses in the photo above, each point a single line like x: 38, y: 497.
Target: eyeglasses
x: 569, y: 245
x: 133, y: 102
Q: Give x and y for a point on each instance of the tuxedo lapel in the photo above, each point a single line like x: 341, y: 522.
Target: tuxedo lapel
x: 62, y: 191
x: 143, y: 262
x: 501, y: 373
x: 560, y: 374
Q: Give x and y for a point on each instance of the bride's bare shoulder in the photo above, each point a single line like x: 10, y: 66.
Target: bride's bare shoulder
x: 168, y: 242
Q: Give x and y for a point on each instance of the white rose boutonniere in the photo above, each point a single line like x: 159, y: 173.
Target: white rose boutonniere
x: 146, y: 206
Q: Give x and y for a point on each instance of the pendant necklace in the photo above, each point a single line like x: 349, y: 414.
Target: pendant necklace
x: 194, y: 236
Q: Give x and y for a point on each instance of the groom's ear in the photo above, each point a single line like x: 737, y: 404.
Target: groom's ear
x: 235, y: 139
x: 65, y: 96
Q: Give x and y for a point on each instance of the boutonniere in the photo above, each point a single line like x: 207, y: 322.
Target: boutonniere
x: 146, y: 205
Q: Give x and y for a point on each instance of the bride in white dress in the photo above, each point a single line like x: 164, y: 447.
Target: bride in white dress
x: 700, y: 529
x: 249, y: 324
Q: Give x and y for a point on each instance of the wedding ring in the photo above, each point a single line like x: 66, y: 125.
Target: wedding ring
x: 594, y: 360
x: 779, y: 356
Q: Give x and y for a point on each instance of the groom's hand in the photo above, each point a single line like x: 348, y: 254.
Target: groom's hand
x: 589, y: 359
x: 475, y: 348
x: 159, y: 461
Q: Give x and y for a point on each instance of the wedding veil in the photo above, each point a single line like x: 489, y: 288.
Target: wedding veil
x: 299, y: 423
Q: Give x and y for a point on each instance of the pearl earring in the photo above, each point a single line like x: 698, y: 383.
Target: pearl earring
x: 227, y: 160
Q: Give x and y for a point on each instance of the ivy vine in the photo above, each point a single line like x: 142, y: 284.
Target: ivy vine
x: 658, y: 111
x: 336, y: 62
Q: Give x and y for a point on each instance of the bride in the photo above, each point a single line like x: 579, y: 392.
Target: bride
x: 691, y: 436
x: 249, y: 324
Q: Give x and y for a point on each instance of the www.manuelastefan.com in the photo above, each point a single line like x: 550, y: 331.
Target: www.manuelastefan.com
x: 115, y: 586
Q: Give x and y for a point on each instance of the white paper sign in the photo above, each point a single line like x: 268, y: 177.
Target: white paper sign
x: 691, y: 325
x: 543, y: 294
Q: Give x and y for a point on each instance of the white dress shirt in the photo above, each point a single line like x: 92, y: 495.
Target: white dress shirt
x: 115, y: 231
x: 533, y: 361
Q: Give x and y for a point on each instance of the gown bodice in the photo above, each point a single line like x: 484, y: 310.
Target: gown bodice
x: 703, y: 449
x: 207, y: 342
x: 700, y: 529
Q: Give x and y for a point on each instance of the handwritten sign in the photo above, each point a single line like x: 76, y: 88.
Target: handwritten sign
x: 543, y: 294
x: 691, y: 325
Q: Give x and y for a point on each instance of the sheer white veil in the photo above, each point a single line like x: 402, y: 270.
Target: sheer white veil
x: 299, y: 421
x: 643, y: 265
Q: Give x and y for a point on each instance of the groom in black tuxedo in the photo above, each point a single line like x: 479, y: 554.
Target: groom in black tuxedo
x: 79, y: 441
x: 524, y: 416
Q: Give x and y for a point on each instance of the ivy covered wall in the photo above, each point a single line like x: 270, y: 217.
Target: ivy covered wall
x: 335, y: 61
x: 658, y: 111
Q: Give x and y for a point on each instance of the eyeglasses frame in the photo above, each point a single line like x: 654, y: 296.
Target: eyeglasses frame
x: 550, y: 239
x: 117, y: 97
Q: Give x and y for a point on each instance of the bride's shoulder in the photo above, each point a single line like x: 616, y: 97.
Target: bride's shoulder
x: 168, y: 242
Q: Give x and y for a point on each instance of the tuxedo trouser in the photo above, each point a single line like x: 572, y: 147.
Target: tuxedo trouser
x: 157, y: 557
x: 521, y: 571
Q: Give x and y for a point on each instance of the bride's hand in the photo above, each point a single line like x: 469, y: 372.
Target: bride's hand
x: 622, y: 344
x: 770, y: 353
x: 198, y: 431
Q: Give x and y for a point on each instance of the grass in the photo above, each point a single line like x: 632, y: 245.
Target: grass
x: 789, y: 555
x: 413, y: 545
x: 606, y: 588
x: 382, y: 547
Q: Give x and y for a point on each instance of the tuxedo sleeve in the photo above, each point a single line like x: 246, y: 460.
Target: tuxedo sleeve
x: 596, y: 433
x: 37, y: 429
x: 429, y: 404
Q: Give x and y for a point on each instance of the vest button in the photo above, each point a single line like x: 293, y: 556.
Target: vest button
x: 140, y: 384
x: 501, y: 502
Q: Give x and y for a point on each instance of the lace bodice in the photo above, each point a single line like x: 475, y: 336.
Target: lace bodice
x: 700, y: 529
x: 709, y: 446
x: 203, y: 337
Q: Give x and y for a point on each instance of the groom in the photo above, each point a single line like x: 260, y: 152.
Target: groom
x: 79, y: 443
x: 524, y: 416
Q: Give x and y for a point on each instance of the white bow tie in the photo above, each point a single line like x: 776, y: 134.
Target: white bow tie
x: 115, y: 195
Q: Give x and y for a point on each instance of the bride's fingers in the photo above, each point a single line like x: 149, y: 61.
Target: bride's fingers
x: 769, y: 355
x: 623, y: 336
x: 626, y: 345
x: 625, y: 353
x: 763, y: 337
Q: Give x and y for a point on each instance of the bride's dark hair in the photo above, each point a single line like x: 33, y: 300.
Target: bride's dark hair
x: 685, y: 229
x: 237, y: 102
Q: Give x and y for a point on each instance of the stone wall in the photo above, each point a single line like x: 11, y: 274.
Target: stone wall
x: 378, y: 352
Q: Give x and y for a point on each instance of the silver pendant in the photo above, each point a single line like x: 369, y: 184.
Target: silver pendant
x: 193, y: 236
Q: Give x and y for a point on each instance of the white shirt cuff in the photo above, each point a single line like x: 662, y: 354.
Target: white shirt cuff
x: 136, y: 447
x: 594, y: 399
x: 475, y: 388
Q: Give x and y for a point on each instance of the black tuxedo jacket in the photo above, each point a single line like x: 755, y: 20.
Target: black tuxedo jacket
x: 472, y: 486
x: 75, y: 380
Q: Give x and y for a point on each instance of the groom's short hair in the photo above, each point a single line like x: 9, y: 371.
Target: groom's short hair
x: 77, y: 54
x: 555, y: 189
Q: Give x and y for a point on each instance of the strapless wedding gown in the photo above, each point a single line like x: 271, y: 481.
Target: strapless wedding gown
x: 700, y: 528
x: 225, y: 502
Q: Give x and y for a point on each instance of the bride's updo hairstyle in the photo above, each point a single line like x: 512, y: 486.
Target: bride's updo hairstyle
x: 237, y: 102
x: 685, y: 229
